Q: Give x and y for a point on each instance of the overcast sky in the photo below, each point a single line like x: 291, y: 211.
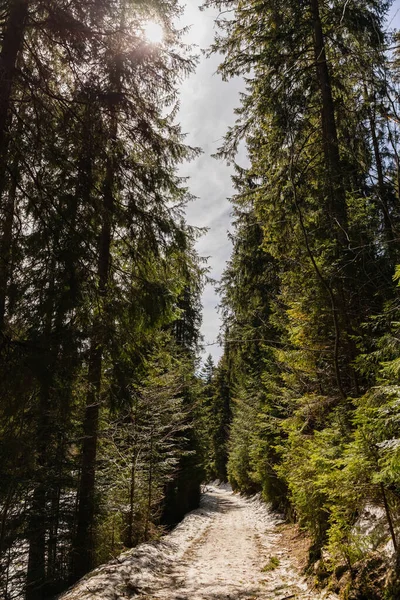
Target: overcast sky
x: 207, y: 105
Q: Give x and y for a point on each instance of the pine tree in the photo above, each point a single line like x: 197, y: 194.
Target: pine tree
x: 306, y: 178
x: 321, y: 190
x: 97, y: 262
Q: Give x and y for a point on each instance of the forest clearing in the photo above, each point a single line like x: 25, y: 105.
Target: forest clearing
x: 229, y: 548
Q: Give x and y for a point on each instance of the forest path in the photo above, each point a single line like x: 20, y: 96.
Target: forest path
x: 232, y: 558
x: 219, y: 552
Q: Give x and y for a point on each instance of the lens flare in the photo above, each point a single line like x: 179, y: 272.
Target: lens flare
x: 153, y: 32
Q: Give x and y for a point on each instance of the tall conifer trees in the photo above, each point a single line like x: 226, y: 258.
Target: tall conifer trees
x: 321, y: 191
x: 98, y: 271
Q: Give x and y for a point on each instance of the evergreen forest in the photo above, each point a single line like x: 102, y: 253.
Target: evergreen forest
x: 110, y: 420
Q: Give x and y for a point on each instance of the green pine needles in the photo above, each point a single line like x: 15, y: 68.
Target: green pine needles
x: 308, y: 298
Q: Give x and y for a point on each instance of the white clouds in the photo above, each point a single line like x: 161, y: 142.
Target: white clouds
x: 207, y: 105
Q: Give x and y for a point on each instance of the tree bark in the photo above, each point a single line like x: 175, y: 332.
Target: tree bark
x: 388, y: 228
x: 6, y: 241
x: 36, y: 574
x: 389, y: 517
x: 83, y: 547
x: 37, y: 516
x: 11, y: 47
x: 336, y: 205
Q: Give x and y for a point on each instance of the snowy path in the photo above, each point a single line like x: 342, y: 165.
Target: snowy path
x: 218, y: 552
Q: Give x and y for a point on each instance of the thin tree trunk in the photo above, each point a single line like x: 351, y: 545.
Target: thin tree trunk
x: 389, y: 517
x: 37, y: 528
x: 150, y: 488
x: 396, y: 158
x: 83, y: 550
x: 6, y: 242
x: 53, y: 531
x: 38, y: 520
x: 389, y: 234
x: 36, y: 574
x: 8, y: 571
x: 135, y: 457
x: 12, y: 44
x: 132, y: 501
x: 5, y: 508
x: 337, y: 209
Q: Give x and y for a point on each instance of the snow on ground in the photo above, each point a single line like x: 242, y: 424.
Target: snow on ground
x: 221, y: 551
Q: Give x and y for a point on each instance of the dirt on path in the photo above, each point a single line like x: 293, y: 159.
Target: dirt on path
x: 230, y: 548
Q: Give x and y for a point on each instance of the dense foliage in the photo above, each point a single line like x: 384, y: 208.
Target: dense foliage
x: 99, y: 288
x: 310, y: 295
x: 107, y: 424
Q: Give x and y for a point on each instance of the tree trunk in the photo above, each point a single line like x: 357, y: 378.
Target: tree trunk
x: 6, y: 241
x: 38, y: 522
x: 38, y: 518
x: 36, y: 574
x: 388, y: 228
x: 4, y: 514
x: 11, y: 47
x: 54, y: 523
x: 83, y: 551
x: 83, y: 547
x: 132, y: 502
x: 149, y: 487
x: 388, y: 517
x: 336, y: 206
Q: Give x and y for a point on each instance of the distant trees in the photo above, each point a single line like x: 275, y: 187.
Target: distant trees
x: 99, y: 285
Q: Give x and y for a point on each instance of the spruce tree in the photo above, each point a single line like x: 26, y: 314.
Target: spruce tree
x: 97, y: 263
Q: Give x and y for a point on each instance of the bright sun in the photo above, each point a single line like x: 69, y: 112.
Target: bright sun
x: 154, y: 32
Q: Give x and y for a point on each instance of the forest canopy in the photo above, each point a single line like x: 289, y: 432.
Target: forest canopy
x: 310, y: 300
x: 108, y: 421
x: 100, y: 288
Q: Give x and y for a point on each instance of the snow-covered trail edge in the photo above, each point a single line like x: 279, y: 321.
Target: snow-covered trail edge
x: 217, y: 552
